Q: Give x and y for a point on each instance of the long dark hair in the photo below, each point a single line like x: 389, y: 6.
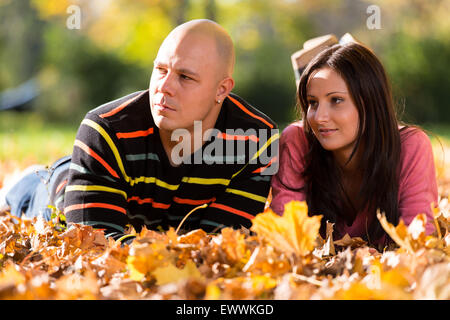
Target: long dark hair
x: 378, y: 137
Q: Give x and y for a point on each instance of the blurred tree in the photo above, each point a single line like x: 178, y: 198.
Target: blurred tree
x: 414, y: 45
x: 20, y: 43
x: 112, y: 54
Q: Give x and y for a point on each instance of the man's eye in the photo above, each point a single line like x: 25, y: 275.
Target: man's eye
x: 185, y: 77
x: 160, y: 69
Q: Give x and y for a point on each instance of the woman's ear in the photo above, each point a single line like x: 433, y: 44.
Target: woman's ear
x: 224, y: 88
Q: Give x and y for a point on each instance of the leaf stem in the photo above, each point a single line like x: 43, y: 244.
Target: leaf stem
x: 190, y: 212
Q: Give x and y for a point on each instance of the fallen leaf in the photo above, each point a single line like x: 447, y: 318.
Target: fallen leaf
x: 347, y: 241
x: 294, y: 232
x: 170, y: 273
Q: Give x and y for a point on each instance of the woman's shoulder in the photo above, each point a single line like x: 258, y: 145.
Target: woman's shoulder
x: 413, y: 137
x: 294, y: 133
x: 293, y: 141
x: 416, y: 148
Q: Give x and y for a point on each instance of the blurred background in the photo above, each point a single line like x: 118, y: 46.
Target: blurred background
x: 51, y: 74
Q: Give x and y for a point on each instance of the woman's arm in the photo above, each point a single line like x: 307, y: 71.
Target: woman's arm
x: 417, y: 186
x: 288, y: 182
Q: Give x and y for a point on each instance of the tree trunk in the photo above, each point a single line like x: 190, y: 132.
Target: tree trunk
x: 210, y: 9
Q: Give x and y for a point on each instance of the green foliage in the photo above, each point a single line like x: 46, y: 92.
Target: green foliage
x: 419, y: 74
x: 113, y: 52
x: 78, y: 76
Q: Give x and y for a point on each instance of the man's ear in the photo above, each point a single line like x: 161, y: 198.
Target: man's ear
x: 224, y: 88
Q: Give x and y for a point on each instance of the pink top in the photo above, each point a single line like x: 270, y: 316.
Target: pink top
x: 417, y: 187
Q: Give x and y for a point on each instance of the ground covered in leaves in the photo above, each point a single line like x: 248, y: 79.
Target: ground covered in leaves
x: 282, y: 258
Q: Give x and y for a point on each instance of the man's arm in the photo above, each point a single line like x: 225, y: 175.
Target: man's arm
x: 96, y: 191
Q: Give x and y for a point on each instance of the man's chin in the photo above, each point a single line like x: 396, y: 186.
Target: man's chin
x: 166, y: 124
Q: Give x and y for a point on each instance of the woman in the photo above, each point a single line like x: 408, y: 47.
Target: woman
x: 350, y: 156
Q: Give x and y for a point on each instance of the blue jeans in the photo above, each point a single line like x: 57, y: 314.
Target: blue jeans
x: 31, y: 194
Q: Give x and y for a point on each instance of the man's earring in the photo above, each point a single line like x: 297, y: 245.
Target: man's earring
x: 219, y: 101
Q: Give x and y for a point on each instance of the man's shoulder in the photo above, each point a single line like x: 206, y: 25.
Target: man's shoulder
x: 242, y: 114
x: 128, y: 106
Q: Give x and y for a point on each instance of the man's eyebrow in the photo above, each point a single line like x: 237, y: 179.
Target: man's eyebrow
x: 178, y: 70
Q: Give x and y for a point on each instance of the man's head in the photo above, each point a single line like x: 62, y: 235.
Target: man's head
x: 192, y: 75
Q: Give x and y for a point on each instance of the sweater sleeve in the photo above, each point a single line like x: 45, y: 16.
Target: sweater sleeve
x: 96, y: 190
x: 288, y: 182
x: 418, y: 187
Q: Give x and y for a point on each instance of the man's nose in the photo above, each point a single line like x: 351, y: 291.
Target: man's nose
x: 166, y: 84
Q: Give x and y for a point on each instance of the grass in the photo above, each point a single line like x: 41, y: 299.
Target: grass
x: 26, y: 139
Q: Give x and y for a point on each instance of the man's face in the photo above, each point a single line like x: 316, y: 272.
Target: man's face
x: 184, y: 82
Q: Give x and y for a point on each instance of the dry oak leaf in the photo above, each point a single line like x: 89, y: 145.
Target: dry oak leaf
x: 354, y: 242
x: 234, y: 246
x: 83, y: 236
x: 410, y: 238
x: 293, y: 233
x: 193, y: 237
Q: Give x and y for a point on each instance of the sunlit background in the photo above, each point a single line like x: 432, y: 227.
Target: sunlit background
x: 51, y: 75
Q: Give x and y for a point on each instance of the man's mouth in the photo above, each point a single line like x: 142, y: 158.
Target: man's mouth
x: 163, y: 107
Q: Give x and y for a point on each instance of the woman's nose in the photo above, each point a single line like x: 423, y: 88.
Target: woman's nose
x: 322, y: 113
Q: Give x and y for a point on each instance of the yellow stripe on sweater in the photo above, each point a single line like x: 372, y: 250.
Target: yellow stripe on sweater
x: 257, y: 154
x: 95, y: 188
x: 207, y: 181
x: 158, y: 182
x: 111, y: 144
x: 247, y: 195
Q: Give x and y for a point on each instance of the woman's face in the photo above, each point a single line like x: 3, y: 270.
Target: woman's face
x: 332, y: 115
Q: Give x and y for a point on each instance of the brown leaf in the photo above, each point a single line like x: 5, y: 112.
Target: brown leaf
x: 347, y: 241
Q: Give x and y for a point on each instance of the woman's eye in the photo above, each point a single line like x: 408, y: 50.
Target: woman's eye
x: 337, y: 100
x: 312, y: 104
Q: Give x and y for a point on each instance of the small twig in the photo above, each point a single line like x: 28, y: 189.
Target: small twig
x: 5, y: 225
x: 251, y: 260
x: 190, y: 212
x: 307, y: 279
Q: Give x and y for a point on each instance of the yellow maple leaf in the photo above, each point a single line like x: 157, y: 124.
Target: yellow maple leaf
x: 293, y: 232
x: 145, y: 258
x: 170, y: 273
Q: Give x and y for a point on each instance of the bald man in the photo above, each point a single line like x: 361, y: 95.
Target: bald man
x: 151, y: 157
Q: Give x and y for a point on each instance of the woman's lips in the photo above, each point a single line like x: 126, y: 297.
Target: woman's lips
x: 327, y: 132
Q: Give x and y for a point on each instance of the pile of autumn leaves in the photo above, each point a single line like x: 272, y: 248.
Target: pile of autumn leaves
x: 284, y: 258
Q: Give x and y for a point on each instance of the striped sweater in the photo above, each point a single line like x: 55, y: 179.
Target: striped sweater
x: 120, y: 174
